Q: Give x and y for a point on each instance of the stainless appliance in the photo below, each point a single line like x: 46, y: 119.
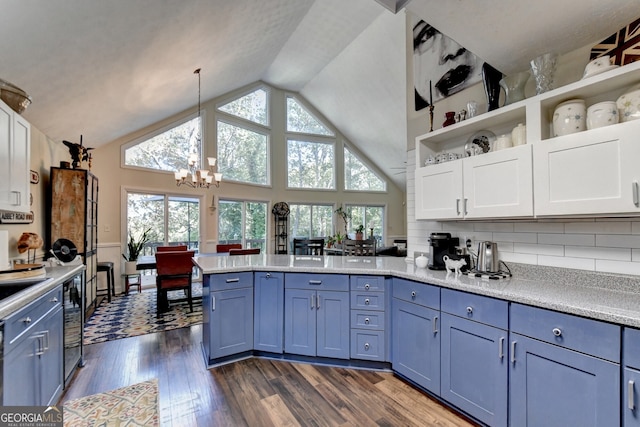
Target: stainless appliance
x: 441, y: 244
x: 488, y: 261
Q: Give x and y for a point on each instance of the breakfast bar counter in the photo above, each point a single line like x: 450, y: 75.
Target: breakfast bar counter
x: 607, y: 297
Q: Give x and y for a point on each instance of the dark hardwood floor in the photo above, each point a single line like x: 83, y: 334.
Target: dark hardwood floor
x: 253, y: 392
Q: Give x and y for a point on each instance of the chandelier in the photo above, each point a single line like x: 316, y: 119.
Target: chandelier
x: 194, y: 177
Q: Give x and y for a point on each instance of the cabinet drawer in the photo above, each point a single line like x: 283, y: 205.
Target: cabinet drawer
x: 224, y: 281
x: 367, y: 345
x: 23, y: 319
x: 367, y: 283
x: 631, y: 346
x: 367, y: 300
x: 479, y: 308
x: 588, y: 336
x: 367, y: 319
x: 418, y: 293
x: 325, y: 282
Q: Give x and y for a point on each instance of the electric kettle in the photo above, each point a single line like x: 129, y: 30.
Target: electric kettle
x: 488, y: 261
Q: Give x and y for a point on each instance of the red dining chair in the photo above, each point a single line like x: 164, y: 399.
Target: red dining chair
x: 226, y: 247
x: 174, y: 272
x: 171, y: 248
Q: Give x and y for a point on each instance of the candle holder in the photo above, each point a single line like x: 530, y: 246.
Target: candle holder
x: 431, y: 108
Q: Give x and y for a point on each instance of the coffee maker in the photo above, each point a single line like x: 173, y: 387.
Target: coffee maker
x: 441, y: 244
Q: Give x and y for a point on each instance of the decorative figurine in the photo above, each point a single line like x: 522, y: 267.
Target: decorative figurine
x: 78, y: 153
x: 453, y: 265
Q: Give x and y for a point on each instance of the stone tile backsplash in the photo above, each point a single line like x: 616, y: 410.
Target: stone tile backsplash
x: 608, y: 245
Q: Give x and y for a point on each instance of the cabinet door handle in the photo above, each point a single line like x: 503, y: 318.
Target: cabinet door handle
x: 18, y: 197
x: 435, y: 325
x: 213, y: 303
x: 268, y: 275
x: 54, y: 300
x: 367, y: 286
x: 237, y: 279
x: 315, y: 282
x: 630, y: 397
x: 513, y: 351
x: 457, y: 206
x: 318, y: 303
x: 312, y: 300
x: 366, y: 320
x: 367, y: 301
x: 634, y: 192
x: 27, y: 320
x: 501, y: 348
x: 464, y: 206
x: 366, y: 346
x: 469, y: 310
x: 413, y: 294
x: 557, y: 332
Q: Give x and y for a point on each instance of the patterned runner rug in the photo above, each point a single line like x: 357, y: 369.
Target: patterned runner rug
x: 135, y: 314
x: 135, y: 405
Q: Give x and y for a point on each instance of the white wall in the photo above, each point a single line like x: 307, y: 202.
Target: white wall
x: 605, y: 245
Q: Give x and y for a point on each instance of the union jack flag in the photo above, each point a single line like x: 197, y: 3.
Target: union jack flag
x: 623, y: 46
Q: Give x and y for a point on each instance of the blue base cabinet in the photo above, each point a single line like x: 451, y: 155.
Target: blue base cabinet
x: 230, y: 320
x: 268, y: 314
x: 565, y: 372
x: 415, y: 342
x: 631, y: 377
x: 316, y: 316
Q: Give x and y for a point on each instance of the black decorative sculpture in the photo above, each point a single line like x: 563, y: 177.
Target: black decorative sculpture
x: 78, y: 153
x: 491, y: 79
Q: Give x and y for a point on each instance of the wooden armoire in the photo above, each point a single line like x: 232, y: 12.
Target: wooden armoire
x: 73, y: 206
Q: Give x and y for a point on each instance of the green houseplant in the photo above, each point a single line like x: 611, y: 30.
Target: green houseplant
x: 359, y: 232
x: 346, y: 217
x: 134, y: 249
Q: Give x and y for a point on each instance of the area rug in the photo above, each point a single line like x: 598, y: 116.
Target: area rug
x: 135, y: 405
x: 135, y: 314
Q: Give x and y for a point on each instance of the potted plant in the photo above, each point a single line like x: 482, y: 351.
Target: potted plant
x: 330, y: 241
x: 359, y: 232
x: 346, y: 217
x: 339, y: 237
x: 134, y: 249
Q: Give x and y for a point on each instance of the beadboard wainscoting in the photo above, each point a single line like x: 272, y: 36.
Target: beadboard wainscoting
x: 610, y: 245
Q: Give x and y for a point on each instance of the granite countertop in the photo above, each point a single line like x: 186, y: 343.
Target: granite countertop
x: 54, y: 277
x: 608, y: 297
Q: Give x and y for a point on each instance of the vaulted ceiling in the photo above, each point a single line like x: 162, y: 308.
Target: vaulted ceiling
x: 106, y: 68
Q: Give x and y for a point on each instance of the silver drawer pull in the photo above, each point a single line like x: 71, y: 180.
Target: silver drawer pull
x: 268, y: 275
x: 413, y: 294
x: 315, y: 282
x: 630, y: 397
x: 501, y: 348
x: 557, y: 332
x: 513, y: 351
x: 367, y: 286
x: 366, y: 301
x: 634, y: 190
x: 54, y: 300
x: 435, y: 325
x: 237, y: 279
x: 318, y: 304
x: 366, y: 320
x: 213, y: 303
x: 312, y: 299
x: 469, y: 310
x: 27, y: 320
x: 366, y: 346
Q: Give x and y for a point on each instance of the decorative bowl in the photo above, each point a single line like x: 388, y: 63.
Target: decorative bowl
x: 598, y: 66
x: 602, y: 114
x: 14, y: 97
x: 422, y: 261
x: 629, y: 104
x: 569, y: 117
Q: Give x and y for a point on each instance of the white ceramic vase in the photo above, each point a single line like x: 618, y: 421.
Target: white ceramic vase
x: 519, y: 135
x: 570, y: 117
x: 422, y: 261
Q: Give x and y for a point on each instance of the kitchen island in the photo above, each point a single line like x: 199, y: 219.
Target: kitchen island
x: 505, y: 352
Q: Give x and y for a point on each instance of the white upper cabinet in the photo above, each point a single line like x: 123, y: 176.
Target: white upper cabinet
x: 590, y: 173
x: 15, y: 146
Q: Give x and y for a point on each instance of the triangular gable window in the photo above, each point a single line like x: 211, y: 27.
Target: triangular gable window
x: 358, y: 176
x: 252, y: 107
x: 299, y: 119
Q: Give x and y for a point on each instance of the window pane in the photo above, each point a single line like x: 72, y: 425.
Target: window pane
x: 252, y: 107
x: 184, y: 220
x: 256, y: 225
x: 370, y: 217
x: 310, y: 164
x: 310, y: 221
x: 229, y: 222
x: 299, y: 119
x: 242, y: 154
x: 146, y: 211
x: 358, y: 176
x: 168, y: 151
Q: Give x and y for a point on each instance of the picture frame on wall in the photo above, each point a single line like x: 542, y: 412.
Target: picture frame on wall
x: 623, y: 46
x: 441, y: 66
